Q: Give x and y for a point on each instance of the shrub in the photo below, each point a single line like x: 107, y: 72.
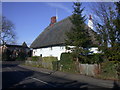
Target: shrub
x: 55, y: 65
x: 66, y: 63
x: 118, y: 69
x: 95, y: 58
x: 21, y: 56
x: 50, y: 58
x: 6, y: 56
x: 47, y: 62
x: 109, y: 70
x: 35, y: 58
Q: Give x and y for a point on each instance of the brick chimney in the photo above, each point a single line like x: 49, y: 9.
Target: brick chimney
x: 90, y: 17
x: 53, y: 20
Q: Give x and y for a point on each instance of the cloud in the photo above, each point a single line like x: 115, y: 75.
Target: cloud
x: 59, y: 5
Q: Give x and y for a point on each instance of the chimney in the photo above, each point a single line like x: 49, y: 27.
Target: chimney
x: 90, y: 17
x: 90, y: 22
x: 53, y: 20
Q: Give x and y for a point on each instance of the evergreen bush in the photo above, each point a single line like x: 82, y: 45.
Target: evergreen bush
x: 95, y: 58
x: 66, y: 63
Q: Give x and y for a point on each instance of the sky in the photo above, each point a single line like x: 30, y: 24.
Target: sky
x: 31, y: 18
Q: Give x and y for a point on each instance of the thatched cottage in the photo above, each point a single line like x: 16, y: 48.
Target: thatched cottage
x: 51, y: 42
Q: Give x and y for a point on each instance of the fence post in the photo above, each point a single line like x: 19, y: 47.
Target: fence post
x: 79, y: 68
x: 87, y: 69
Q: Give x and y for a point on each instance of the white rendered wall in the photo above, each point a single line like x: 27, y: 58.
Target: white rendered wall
x: 54, y: 51
x: 94, y: 50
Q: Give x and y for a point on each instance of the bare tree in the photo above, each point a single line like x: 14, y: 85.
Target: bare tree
x: 7, y: 32
x: 106, y: 15
x: 108, y: 27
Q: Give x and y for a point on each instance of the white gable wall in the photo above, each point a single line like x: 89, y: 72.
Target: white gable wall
x: 49, y: 51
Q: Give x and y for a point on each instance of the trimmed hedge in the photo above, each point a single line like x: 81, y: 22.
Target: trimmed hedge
x: 55, y: 65
x: 44, y: 62
x: 66, y: 63
x: 47, y: 62
x: 50, y: 59
x: 35, y: 58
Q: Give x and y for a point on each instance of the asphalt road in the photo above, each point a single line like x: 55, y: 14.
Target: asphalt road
x: 14, y: 76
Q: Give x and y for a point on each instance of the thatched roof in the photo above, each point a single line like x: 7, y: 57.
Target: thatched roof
x: 53, y: 35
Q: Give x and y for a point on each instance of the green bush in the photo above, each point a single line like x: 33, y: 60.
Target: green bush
x: 50, y: 59
x: 66, y: 58
x: 55, y: 65
x: 6, y: 56
x: 95, y: 58
x: 109, y: 70
x: 118, y: 69
x: 35, y: 58
x: 47, y: 62
x: 21, y: 56
x: 66, y: 63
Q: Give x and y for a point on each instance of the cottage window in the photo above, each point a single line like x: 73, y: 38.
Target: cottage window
x: 40, y: 55
x: 61, y: 47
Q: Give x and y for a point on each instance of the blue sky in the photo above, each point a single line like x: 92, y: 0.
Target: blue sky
x: 31, y: 18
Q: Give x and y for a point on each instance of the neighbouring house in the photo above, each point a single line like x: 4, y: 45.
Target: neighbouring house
x: 13, y: 51
x: 51, y: 42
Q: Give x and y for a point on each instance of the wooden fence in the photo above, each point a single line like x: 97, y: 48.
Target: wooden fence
x: 89, y: 69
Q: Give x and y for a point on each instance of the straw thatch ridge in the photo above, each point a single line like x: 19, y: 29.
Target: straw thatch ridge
x: 53, y: 35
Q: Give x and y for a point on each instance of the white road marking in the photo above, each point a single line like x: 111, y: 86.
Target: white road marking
x: 45, y: 72
x: 42, y: 81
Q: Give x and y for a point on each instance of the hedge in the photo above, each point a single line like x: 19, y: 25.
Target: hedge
x: 35, y: 58
x: 66, y: 63
x: 55, y: 65
x: 95, y: 58
x: 47, y: 62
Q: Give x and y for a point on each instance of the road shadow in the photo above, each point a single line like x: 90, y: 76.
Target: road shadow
x: 10, y: 76
x: 9, y: 79
x: 72, y: 84
x: 13, y: 79
x: 11, y: 63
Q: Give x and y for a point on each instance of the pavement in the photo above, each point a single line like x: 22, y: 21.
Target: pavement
x: 77, y: 77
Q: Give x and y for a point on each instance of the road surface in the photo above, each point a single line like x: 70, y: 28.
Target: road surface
x: 14, y: 76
